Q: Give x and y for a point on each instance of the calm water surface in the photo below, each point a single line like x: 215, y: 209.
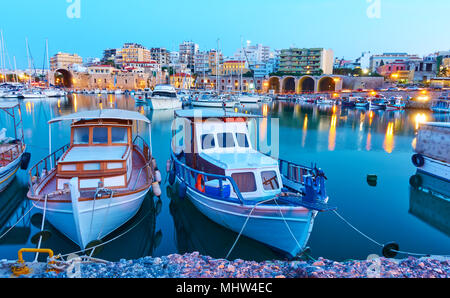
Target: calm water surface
x: 347, y: 144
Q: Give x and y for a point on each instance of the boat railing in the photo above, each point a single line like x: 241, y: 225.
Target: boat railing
x: 43, y: 167
x: 190, y: 177
x: 293, y: 171
x: 140, y: 143
x: 11, y: 154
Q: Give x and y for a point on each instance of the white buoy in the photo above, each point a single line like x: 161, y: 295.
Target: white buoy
x: 156, y: 189
x: 158, y: 176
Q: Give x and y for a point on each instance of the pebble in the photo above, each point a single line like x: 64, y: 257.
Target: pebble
x: 194, y: 265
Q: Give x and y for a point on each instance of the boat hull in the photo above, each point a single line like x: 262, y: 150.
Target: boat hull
x: 436, y: 168
x: 106, y: 216
x: 264, y: 225
x: 8, y: 172
x: 163, y: 103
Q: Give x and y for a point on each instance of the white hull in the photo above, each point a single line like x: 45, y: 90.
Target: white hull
x: 164, y: 103
x: 265, y: 224
x: 212, y: 104
x: 436, y: 168
x: 8, y: 172
x: 106, y: 216
x: 249, y: 99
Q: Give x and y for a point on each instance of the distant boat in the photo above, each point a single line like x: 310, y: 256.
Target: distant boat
x: 272, y: 201
x: 95, y: 184
x: 164, y: 97
x: 442, y: 104
x: 212, y: 101
x: 395, y: 103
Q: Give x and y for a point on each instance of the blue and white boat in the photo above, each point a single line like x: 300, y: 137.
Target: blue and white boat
x: 442, y: 104
x: 272, y: 201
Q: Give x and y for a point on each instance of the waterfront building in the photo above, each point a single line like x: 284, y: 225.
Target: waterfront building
x: 174, y: 57
x: 423, y: 70
x: 182, y: 81
x: 142, y: 67
x: 230, y: 83
x: 443, y: 63
x: 109, y: 55
x: 188, y: 49
x: 101, y: 69
x: 201, y: 62
x: 253, y: 53
x: 132, y: 52
x: 396, y: 71
x: 306, y: 61
x: 215, y: 60
x: 91, y: 61
x: 233, y: 67
x: 160, y: 55
x: 64, y: 61
x: 386, y: 58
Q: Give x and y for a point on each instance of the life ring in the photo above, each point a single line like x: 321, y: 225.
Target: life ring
x: 418, y: 160
x: 200, y: 183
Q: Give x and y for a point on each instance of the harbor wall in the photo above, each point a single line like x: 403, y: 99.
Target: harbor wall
x: 354, y: 83
x: 434, y: 141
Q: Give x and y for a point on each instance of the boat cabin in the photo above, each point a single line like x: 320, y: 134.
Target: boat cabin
x: 100, y: 151
x: 218, y: 143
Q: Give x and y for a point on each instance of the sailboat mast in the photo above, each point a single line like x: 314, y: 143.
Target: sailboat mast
x: 15, y: 69
x: 28, y: 60
x: 2, y: 57
x: 48, y: 63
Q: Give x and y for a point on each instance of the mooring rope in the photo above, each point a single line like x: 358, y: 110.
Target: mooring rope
x: 20, y: 219
x: 42, y: 227
x: 381, y: 245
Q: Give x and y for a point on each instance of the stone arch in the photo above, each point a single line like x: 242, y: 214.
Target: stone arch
x: 289, y: 85
x: 63, y: 77
x: 274, y: 84
x: 307, y: 84
x: 326, y: 84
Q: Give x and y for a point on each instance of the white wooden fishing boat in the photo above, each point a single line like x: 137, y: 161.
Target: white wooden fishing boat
x: 395, y: 103
x: 12, y: 150
x: 92, y: 186
x: 432, y: 149
x: 211, y: 101
x: 164, y: 97
x: 272, y: 201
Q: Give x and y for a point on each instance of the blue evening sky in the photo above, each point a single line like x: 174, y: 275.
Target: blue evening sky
x: 413, y: 26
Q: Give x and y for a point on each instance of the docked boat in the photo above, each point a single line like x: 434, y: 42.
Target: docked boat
x: 164, y: 97
x: 95, y: 184
x: 211, y: 101
x: 361, y: 102
x: 377, y: 103
x: 395, y: 103
x: 324, y: 101
x: 442, y: 104
x: 12, y: 149
x: 272, y: 201
x: 432, y: 149
x: 248, y: 98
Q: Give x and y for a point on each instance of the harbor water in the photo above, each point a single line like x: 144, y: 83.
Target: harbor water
x: 348, y: 144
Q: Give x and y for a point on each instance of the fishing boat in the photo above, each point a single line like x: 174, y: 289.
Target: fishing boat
x: 395, y: 103
x: 324, y: 101
x: 361, y: 102
x: 211, y: 101
x: 95, y: 184
x: 12, y: 150
x: 432, y: 147
x: 272, y: 201
x: 442, y: 104
x: 164, y: 97
x: 377, y: 103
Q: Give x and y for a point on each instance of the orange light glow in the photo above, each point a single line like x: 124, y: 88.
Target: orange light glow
x: 388, y: 144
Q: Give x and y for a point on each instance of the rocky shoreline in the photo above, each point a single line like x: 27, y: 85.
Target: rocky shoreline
x: 194, y: 265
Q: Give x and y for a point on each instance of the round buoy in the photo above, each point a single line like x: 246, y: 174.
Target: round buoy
x: 418, y: 160
x: 182, y: 190
x: 36, y: 220
x: 44, y: 234
x: 390, y: 249
x: 25, y: 160
x: 372, y: 180
x: 156, y: 189
x: 415, y: 181
x: 171, y: 177
x: 98, y: 247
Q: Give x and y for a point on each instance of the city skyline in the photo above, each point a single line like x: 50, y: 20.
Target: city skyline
x: 327, y: 24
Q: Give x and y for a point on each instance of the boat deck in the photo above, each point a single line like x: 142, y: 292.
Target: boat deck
x: 8, y: 153
x: 134, y: 183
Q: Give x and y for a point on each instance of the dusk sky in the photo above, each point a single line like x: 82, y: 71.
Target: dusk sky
x: 346, y: 26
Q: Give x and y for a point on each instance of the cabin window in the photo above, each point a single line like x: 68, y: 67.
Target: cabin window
x: 81, y: 135
x: 119, y: 135
x: 91, y: 167
x: 245, y: 181
x: 225, y: 140
x: 208, y: 141
x: 100, y: 135
x: 242, y: 140
x: 270, y: 180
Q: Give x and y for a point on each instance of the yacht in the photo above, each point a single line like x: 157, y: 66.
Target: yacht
x: 164, y: 97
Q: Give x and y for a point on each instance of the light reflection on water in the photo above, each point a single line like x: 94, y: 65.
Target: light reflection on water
x: 347, y: 143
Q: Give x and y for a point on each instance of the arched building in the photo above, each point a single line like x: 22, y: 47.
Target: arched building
x: 304, y: 84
